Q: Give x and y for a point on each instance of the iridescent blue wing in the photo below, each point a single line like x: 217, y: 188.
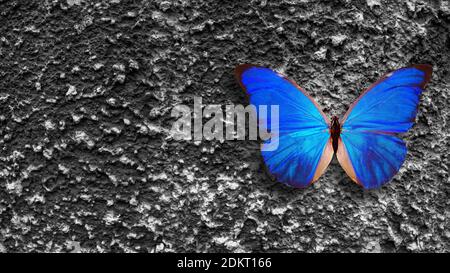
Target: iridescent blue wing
x: 304, y: 145
x: 368, y: 149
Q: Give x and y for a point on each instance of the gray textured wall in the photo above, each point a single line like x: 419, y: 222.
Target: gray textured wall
x: 86, y: 91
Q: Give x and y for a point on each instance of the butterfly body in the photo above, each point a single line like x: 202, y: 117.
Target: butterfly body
x: 335, y: 132
x: 364, y: 141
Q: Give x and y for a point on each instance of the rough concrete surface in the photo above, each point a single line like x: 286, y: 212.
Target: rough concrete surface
x: 86, y: 92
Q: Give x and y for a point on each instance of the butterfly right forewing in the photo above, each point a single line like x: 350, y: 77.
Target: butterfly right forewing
x: 368, y: 150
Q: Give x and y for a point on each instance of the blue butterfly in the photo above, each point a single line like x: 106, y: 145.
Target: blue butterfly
x: 364, y: 140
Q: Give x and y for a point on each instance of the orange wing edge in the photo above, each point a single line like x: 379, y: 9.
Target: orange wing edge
x: 344, y: 160
x: 325, y: 159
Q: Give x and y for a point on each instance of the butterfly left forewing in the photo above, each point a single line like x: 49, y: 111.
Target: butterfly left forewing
x: 304, y: 146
